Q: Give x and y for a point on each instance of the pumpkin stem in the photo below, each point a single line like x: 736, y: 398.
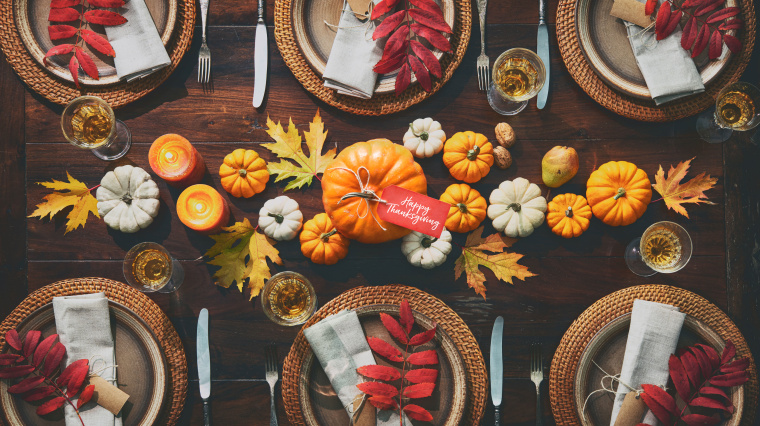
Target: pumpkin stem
x: 326, y: 235
x: 462, y: 207
x: 569, y: 211
x: 428, y: 241
x: 473, y: 153
x: 277, y: 217
x: 127, y: 199
x: 620, y: 193
x: 514, y: 206
x: 243, y: 172
x: 424, y: 135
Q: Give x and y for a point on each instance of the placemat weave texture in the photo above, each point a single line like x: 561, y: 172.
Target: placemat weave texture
x: 571, y: 347
x: 432, y: 307
x: 141, y: 305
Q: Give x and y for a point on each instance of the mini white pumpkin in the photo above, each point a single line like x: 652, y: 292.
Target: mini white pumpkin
x: 424, y: 138
x: 127, y: 199
x: 425, y: 251
x: 517, y: 207
x: 280, y: 218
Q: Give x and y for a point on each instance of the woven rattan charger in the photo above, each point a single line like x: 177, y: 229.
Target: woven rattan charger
x: 434, y: 308
x: 61, y: 92
x: 141, y: 305
x: 641, y: 109
x: 378, y: 104
x: 593, y: 319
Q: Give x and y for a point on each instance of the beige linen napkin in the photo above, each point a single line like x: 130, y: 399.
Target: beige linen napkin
x: 84, y: 327
x: 652, y: 338
x: 138, y: 46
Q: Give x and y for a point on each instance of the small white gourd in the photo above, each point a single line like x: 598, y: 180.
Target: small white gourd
x: 424, y: 138
x: 280, y: 218
x: 517, y: 207
x: 127, y: 199
x: 425, y: 251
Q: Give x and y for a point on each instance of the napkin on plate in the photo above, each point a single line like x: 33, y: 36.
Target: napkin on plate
x: 652, y: 338
x: 340, y: 346
x: 83, y: 324
x: 138, y: 46
x: 352, y: 57
x: 668, y: 69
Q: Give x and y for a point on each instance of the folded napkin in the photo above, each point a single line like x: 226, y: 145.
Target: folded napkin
x: 83, y: 324
x: 340, y: 346
x: 138, y: 46
x: 352, y: 57
x: 652, y: 338
x: 668, y: 69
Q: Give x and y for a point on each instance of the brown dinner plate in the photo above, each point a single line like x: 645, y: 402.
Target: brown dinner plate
x: 31, y: 18
x: 607, y: 348
x: 141, y: 370
x: 320, y: 404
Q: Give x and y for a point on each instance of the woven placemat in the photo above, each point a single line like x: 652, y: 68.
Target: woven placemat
x: 62, y: 92
x: 593, y: 319
x: 432, y: 307
x: 141, y: 305
x: 640, y: 109
x: 378, y: 104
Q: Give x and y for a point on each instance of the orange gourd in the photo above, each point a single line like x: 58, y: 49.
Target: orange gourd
x: 354, y: 182
x: 468, y: 207
x: 468, y: 156
x: 618, y: 193
x: 321, y: 242
x: 568, y: 215
x: 243, y: 173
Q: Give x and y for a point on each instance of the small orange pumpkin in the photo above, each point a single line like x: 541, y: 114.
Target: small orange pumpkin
x: 468, y: 156
x: 243, y: 173
x: 568, y: 215
x: 468, y: 207
x: 618, y: 193
x: 321, y: 242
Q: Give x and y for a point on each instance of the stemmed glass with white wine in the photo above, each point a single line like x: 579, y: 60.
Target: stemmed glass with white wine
x: 737, y: 108
x: 664, y: 247
x: 518, y: 76
x: 89, y: 122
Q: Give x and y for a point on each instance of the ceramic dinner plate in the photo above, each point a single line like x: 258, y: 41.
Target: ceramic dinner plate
x: 141, y: 370
x: 607, y: 348
x: 315, y: 37
x: 321, y: 406
x: 604, y: 42
x: 31, y: 18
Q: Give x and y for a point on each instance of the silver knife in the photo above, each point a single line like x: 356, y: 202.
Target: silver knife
x: 260, y: 59
x: 542, y: 49
x: 497, y: 367
x: 204, y: 363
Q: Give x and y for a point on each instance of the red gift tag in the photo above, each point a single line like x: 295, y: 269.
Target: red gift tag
x: 413, y: 211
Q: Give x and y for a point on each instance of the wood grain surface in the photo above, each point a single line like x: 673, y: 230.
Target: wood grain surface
x: 572, y: 274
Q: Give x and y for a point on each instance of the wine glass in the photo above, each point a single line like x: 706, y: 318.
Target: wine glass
x: 288, y: 298
x: 89, y: 122
x: 150, y: 268
x: 518, y: 75
x: 735, y: 109
x: 664, y: 247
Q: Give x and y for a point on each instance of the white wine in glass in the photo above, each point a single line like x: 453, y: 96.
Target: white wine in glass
x: 288, y: 298
x: 664, y: 247
x: 149, y: 268
x: 518, y: 75
x: 736, y: 108
x: 88, y: 122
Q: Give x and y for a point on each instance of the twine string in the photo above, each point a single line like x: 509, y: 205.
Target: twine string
x: 364, y: 193
x: 368, y: 24
x: 652, y: 41
x: 94, y: 361
x: 613, y: 378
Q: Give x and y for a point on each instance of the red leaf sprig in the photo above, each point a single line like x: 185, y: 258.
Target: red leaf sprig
x: 414, y: 383
x: 701, y: 378
x: 417, y: 21
x: 85, y: 14
x: 707, y: 24
x: 37, y: 378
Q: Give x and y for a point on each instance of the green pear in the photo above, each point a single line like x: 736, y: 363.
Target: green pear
x: 559, y: 165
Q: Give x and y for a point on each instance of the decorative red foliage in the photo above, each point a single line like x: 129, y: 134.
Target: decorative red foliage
x: 421, y: 375
x: 394, y: 328
x: 378, y: 389
x: 8, y: 359
x: 415, y: 412
x: 97, y: 42
x: 58, y: 4
x: 384, y: 349
x: 31, y: 341
x: 50, y: 406
x: 421, y: 390
x: 422, y: 338
x: 16, y: 371
x: 429, y: 357
x: 707, y: 24
x: 379, y: 372
x: 42, y: 349
x: 104, y: 17
x: 13, y: 340
x: 85, y: 396
x: 63, y: 15
x: 53, y: 360
x: 383, y: 402
x: 649, y: 7
x: 39, y: 393
x: 26, y: 385
x: 58, y: 32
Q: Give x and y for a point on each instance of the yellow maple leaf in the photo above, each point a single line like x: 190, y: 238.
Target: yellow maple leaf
x: 675, y: 194
x: 76, y: 195
x: 504, y: 265
x: 287, y: 146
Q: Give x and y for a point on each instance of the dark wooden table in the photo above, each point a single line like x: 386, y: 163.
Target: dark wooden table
x: 572, y: 274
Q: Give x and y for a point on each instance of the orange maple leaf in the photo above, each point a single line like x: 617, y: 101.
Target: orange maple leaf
x: 675, y: 194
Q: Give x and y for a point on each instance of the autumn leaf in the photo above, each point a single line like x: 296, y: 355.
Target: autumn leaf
x: 288, y: 146
x: 72, y: 193
x: 242, y: 254
x: 504, y: 265
x: 675, y: 194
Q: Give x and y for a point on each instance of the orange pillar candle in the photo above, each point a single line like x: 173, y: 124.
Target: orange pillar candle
x: 175, y: 160
x: 202, y: 209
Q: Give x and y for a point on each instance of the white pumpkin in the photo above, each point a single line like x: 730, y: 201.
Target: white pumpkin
x: 424, y: 138
x: 425, y: 251
x: 517, y: 207
x: 127, y: 199
x: 280, y: 218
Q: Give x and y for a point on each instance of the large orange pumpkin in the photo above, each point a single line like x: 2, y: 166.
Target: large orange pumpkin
x: 618, y: 193
x: 351, y: 204
x: 468, y: 207
x: 321, y: 242
x: 468, y: 156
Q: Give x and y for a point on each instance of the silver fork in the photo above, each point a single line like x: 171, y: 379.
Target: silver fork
x: 537, y: 376
x: 272, y: 377
x: 204, y: 56
x: 484, y: 64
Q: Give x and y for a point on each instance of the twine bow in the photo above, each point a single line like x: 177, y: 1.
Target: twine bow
x: 652, y: 41
x: 93, y: 362
x: 364, y: 193
x: 613, y: 378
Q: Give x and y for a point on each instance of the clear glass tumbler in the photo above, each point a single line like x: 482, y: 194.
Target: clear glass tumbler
x: 288, y: 298
x: 150, y: 268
